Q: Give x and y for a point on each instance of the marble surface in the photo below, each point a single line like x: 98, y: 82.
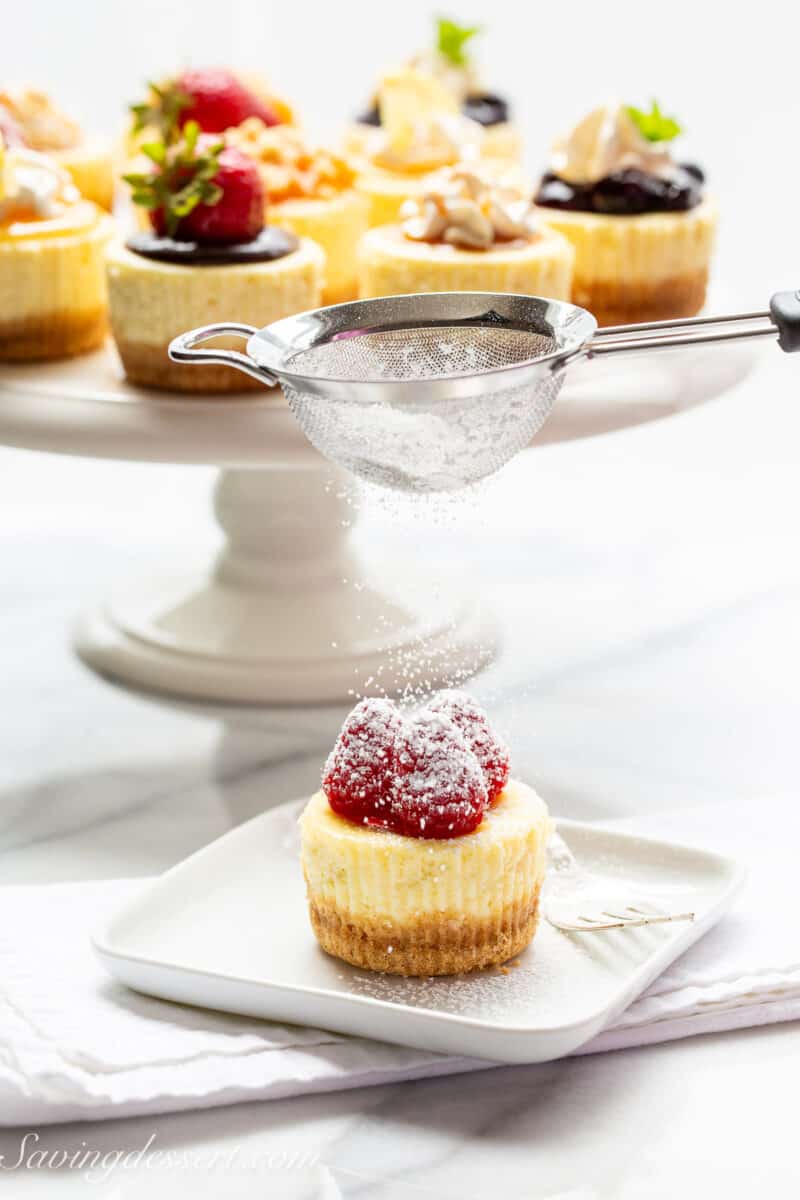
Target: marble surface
x: 647, y: 586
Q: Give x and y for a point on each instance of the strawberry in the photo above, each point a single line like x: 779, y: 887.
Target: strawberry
x: 212, y: 97
x: 201, y: 190
x: 217, y: 100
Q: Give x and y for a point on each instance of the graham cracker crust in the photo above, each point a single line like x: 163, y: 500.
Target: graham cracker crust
x: 150, y: 366
x: 433, y: 945
x: 52, y: 335
x: 618, y: 302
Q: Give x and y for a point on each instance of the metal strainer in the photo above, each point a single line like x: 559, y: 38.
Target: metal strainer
x: 433, y: 392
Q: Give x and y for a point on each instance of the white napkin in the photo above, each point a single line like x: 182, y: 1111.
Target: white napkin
x: 76, y: 1045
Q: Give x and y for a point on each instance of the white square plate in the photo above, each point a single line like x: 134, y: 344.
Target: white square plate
x: 227, y: 929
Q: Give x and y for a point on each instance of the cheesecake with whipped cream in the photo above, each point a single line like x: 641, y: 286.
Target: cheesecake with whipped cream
x: 466, y: 233
x: 420, y: 855
x: 639, y: 220
x: 52, y: 243
x: 34, y: 121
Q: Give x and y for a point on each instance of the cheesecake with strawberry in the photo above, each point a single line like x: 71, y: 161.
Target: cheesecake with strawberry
x: 421, y: 856
x: 207, y: 254
x: 214, y: 98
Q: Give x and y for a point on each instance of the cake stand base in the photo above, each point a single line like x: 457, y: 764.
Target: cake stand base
x: 287, y: 614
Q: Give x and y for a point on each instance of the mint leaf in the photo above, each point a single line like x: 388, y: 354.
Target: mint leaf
x: 654, y: 125
x: 451, y: 40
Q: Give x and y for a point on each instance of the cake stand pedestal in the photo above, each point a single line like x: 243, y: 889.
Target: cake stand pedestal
x: 287, y: 612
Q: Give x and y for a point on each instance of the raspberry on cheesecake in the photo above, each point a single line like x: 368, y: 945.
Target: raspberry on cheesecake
x: 421, y: 856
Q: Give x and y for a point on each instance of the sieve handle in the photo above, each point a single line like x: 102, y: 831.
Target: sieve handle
x: 182, y: 349
x: 782, y: 321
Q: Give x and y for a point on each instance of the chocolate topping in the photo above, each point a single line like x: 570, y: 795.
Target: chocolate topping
x: 271, y: 243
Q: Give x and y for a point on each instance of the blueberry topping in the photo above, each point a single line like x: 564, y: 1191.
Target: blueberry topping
x: 372, y: 116
x: 625, y: 193
x: 486, y: 108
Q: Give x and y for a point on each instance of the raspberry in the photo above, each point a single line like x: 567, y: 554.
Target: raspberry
x: 428, y: 776
x: 469, y: 717
x: 439, y: 790
x: 359, y: 773
x: 218, y: 100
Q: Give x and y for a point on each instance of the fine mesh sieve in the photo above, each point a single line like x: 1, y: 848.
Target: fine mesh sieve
x: 433, y: 392
x: 405, y: 441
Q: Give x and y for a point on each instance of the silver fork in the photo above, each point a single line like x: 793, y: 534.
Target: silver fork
x: 578, y: 902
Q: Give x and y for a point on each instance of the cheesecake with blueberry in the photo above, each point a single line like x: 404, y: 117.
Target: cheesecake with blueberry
x: 206, y: 254
x: 467, y: 233
x: 450, y: 60
x: 420, y: 855
x: 639, y: 220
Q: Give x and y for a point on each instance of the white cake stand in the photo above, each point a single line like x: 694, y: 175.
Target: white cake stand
x: 287, y: 613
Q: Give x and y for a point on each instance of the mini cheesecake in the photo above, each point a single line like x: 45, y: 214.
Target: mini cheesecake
x: 52, y: 243
x: 200, y: 266
x: 642, y: 230
x: 40, y: 125
x: 309, y: 192
x: 421, y: 132
x: 153, y: 298
x: 448, y: 60
x: 413, y: 906
x: 468, y: 235
x: 645, y: 267
x: 420, y: 856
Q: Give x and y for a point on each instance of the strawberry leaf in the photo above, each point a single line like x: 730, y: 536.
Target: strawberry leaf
x: 161, y: 111
x: 182, y: 177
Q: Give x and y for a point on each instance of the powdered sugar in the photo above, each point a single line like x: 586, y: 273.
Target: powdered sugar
x: 428, y: 775
x: 465, y: 712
